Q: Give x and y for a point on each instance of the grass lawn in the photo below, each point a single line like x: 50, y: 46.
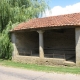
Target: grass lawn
x: 62, y: 69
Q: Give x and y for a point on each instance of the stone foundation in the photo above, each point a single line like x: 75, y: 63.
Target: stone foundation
x: 37, y: 60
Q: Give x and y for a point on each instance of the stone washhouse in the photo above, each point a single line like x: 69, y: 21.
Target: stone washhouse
x: 51, y: 40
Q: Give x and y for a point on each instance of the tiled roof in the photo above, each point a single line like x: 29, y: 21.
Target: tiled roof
x: 53, y: 21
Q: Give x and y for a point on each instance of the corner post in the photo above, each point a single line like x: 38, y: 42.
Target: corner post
x: 15, y: 52
x: 77, y: 39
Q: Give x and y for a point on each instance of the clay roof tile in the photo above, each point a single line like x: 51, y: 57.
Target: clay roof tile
x: 53, y: 21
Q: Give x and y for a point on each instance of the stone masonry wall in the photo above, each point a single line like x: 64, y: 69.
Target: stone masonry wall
x: 37, y: 60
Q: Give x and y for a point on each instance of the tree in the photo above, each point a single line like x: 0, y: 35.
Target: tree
x: 12, y: 12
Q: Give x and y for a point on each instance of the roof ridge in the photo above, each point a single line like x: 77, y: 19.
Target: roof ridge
x: 61, y: 15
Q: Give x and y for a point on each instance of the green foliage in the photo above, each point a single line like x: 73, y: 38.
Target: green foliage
x: 5, y: 42
x: 19, y: 10
x: 13, y: 11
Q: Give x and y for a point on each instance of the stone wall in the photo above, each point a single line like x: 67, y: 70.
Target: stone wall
x: 37, y: 60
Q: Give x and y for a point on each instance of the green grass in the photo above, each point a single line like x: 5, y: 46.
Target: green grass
x: 61, y: 69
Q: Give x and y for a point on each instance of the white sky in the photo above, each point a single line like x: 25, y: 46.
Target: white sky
x: 58, y: 10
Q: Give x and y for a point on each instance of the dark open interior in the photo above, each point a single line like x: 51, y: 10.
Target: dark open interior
x: 58, y: 43
x: 27, y: 43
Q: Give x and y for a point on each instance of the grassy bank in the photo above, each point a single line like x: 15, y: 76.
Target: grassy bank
x: 74, y: 70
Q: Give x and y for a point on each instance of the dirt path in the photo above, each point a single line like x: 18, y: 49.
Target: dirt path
x: 8, y: 73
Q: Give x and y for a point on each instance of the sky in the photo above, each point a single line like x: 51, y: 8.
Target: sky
x: 60, y: 7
